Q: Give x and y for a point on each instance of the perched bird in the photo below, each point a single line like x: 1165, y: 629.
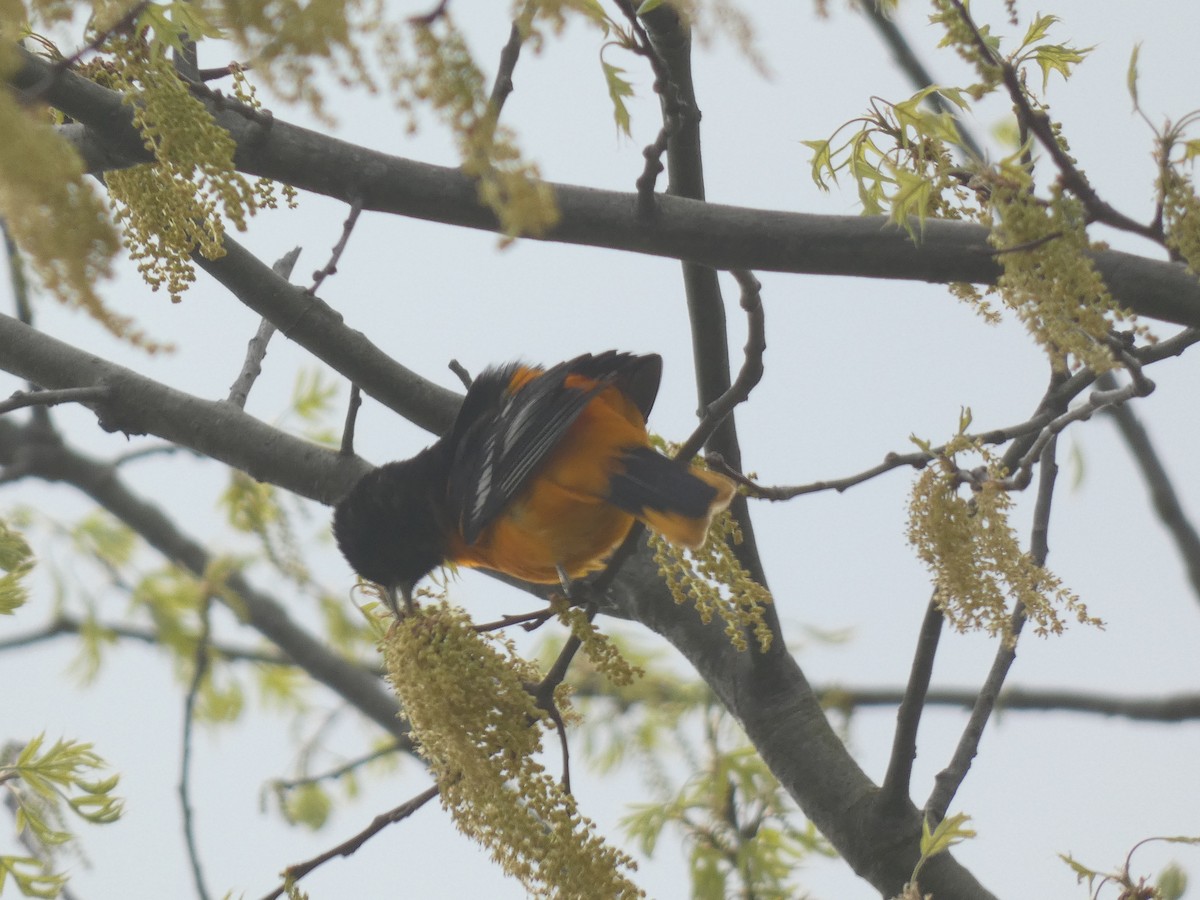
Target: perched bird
x: 541, y: 477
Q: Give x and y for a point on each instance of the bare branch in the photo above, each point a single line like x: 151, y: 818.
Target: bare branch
x: 330, y: 268
x: 749, y: 375
x: 257, y: 350
x: 292, y: 874
x: 709, y: 234
x: 282, y: 785
x: 200, y: 669
x: 1162, y: 492
x: 509, y: 55
x: 69, y: 625
x: 22, y: 399
x: 894, y: 792
x: 352, y: 407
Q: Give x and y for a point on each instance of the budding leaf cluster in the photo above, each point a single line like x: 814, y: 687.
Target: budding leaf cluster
x: 972, y: 551
x: 45, y: 786
x: 716, y: 582
x: 478, y: 726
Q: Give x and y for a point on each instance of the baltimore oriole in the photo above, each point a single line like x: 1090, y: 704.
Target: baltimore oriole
x: 541, y: 477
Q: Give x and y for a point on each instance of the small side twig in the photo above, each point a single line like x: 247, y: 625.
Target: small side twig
x: 200, y: 664
x: 748, y: 376
x: 293, y: 874
x: 461, y: 371
x: 282, y: 785
x: 529, y: 621
x: 509, y: 56
x: 68, y: 625
x: 673, y: 108
x: 256, y: 351
x: 330, y: 268
x: 347, y: 448
x: 23, y: 399
x: 1163, y: 495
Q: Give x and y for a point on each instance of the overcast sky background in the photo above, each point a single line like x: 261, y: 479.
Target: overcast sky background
x: 853, y: 368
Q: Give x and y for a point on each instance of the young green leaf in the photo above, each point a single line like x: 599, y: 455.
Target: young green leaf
x: 1131, y: 77
x: 618, y: 89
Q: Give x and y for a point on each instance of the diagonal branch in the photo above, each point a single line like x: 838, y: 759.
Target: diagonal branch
x: 256, y: 352
x: 1162, y: 492
x: 292, y: 874
x: 894, y: 792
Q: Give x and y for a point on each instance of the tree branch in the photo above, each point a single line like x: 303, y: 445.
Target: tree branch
x: 894, y: 792
x: 1178, y: 708
x: 292, y: 874
x: 63, y: 625
x: 256, y: 352
x: 1162, y: 492
x: 22, y: 399
x: 200, y: 669
x: 713, y: 235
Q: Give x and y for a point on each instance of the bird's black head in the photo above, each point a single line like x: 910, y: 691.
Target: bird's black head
x: 388, y: 526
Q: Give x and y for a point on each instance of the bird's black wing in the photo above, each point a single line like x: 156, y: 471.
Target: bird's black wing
x: 501, y: 436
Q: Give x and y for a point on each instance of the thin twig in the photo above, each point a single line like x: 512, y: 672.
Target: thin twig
x: 154, y: 450
x: 22, y: 399
x: 528, y: 621
x: 347, y: 448
x: 430, y: 17
x: 894, y: 792
x: 917, y: 460
x: 674, y: 108
x: 68, y: 625
x: 330, y: 268
x: 293, y: 874
x: 1039, y: 428
x: 503, y: 85
x: 16, y: 275
x: 948, y: 781
x: 748, y: 376
x: 1162, y: 492
x: 283, y: 785
x: 1098, y: 400
x: 222, y: 71
x: 1178, y: 708
x: 257, y: 350
x: 200, y: 664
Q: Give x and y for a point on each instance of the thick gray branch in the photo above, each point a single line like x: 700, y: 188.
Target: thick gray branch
x: 723, y: 237
x: 140, y: 405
